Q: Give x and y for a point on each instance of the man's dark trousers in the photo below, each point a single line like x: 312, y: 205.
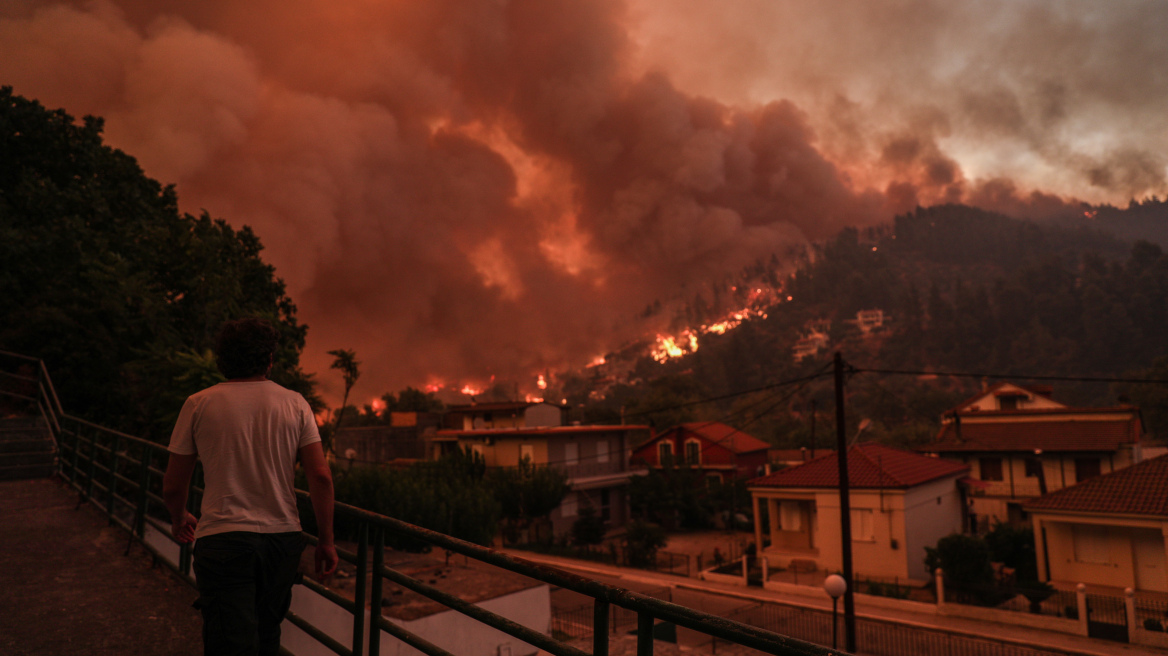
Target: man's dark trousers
x: 245, y: 588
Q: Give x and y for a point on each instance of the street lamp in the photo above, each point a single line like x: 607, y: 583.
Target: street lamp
x: 835, y: 586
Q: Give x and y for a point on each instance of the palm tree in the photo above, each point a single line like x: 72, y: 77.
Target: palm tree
x: 346, y: 361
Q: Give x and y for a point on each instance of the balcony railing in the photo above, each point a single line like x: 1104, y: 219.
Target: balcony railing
x: 121, y: 475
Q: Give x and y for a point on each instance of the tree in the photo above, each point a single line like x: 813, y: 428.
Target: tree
x: 642, y: 541
x: 117, y: 291
x: 527, y: 493
x: 346, y: 361
x: 588, y: 529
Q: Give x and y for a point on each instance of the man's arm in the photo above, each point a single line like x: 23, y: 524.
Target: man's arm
x: 320, y: 488
x: 175, y: 484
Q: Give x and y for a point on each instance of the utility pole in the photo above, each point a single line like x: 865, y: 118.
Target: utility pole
x: 845, y: 507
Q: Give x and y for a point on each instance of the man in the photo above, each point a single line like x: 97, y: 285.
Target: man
x: 248, y: 431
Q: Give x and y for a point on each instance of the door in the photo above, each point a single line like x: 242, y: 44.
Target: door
x: 1150, y: 562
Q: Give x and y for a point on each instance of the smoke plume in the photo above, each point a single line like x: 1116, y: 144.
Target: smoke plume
x: 460, y: 189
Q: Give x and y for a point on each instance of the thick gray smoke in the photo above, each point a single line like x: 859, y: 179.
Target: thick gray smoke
x: 463, y: 188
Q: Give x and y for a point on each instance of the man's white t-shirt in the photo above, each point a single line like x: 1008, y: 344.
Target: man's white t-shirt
x: 248, y: 435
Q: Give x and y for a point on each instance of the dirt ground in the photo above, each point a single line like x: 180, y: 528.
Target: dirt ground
x: 68, y: 588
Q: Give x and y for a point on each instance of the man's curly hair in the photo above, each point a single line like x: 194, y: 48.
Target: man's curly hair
x: 245, y: 347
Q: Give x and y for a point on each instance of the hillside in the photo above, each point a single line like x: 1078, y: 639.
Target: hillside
x: 961, y: 289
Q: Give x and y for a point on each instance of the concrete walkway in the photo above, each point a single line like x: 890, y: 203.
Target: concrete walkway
x: 69, y: 589
x: 628, y: 577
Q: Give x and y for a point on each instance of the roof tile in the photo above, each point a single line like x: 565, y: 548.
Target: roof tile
x: 1141, y: 489
x: 869, y: 466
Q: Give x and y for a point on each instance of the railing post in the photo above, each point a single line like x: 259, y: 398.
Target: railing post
x: 644, y: 634
x: 143, y: 491
x: 378, y: 540
x: 600, y: 628
x: 113, y: 478
x: 1129, y: 607
x: 359, y: 589
x: 92, y: 463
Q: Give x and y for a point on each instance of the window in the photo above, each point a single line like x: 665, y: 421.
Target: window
x: 693, y: 452
x: 791, y: 516
x: 1008, y: 402
x: 571, y: 453
x: 526, y: 452
x: 569, y: 507
x: 991, y: 469
x: 1033, y: 467
x: 1090, y: 544
x: 664, y: 453
x: 1086, y: 468
x: 605, y: 505
x: 862, y: 525
x: 602, y: 451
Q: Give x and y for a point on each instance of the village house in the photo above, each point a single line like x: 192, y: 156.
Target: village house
x: 1109, y: 530
x: 506, y: 414
x: 715, y: 449
x: 595, y: 458
x: 403, y: 440
x: 900, y: 503
x: 1021, y: 444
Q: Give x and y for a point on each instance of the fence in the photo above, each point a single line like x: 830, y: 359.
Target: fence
x: 878, y: 637
x: 121, y: 475
x: 577, y: 622
x: 1151, y: 613
x: 1034, y: 599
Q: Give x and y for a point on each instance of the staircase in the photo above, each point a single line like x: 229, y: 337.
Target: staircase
x: 26, y: 449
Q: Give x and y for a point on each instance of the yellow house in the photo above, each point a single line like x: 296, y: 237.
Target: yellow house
x: 1020, y: 444
x: 595, y: 459
x: 1107, y: 531
x: 900, y: 502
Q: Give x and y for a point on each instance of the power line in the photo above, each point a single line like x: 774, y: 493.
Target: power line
x: 970, y: 374
x: 793, y: 381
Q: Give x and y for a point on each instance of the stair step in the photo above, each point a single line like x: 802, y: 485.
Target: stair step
x: 25, y: 472
x: 26, y: 445
x: 26, y: 458
x: 22, y: 423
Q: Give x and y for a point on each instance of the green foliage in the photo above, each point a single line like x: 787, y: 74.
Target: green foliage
x: 672, y: 497
x: 588, y: 529
x: 110, y: 284
x: 1013, y: 546
x: 344, y: 360
x: 642, y: 541
x: 527, y: 492
x: 449, y: 496
x: 965, y: 560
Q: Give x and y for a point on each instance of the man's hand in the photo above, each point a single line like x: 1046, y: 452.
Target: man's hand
x: 326, y: 561
x: 183, y: 530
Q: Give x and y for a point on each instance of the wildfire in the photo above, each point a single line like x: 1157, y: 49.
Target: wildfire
x: 530, y: 398
x: 597, y: 361
x: 378, y: 406
x: 471, y: 391
x: 541, y: 383
x: 674, y: 347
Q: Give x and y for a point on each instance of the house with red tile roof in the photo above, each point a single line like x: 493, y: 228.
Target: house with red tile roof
x: 1110, y: 530
x: 900, y: 503
x: 1021, y: 444
x: 719, y: 451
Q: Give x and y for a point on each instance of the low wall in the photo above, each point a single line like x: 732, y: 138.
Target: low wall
x: 1140, y: 636
x: 1045, y: 622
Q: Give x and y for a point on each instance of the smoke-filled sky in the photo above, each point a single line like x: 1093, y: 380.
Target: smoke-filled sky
x: 461, y: 188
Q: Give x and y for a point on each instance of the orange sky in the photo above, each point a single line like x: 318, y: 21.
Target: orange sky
x: 460, y: 189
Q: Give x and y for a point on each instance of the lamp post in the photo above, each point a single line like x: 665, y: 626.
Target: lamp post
x: 835, y: 586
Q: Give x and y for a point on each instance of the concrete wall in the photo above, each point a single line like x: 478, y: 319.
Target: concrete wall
x: 1117, y: 563
x: 450, y: 629
x: 933, y: 510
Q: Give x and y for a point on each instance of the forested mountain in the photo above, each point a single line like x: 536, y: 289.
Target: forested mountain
x: 963, y: 290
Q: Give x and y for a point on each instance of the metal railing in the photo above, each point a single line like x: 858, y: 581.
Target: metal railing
x: 121, y: 475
